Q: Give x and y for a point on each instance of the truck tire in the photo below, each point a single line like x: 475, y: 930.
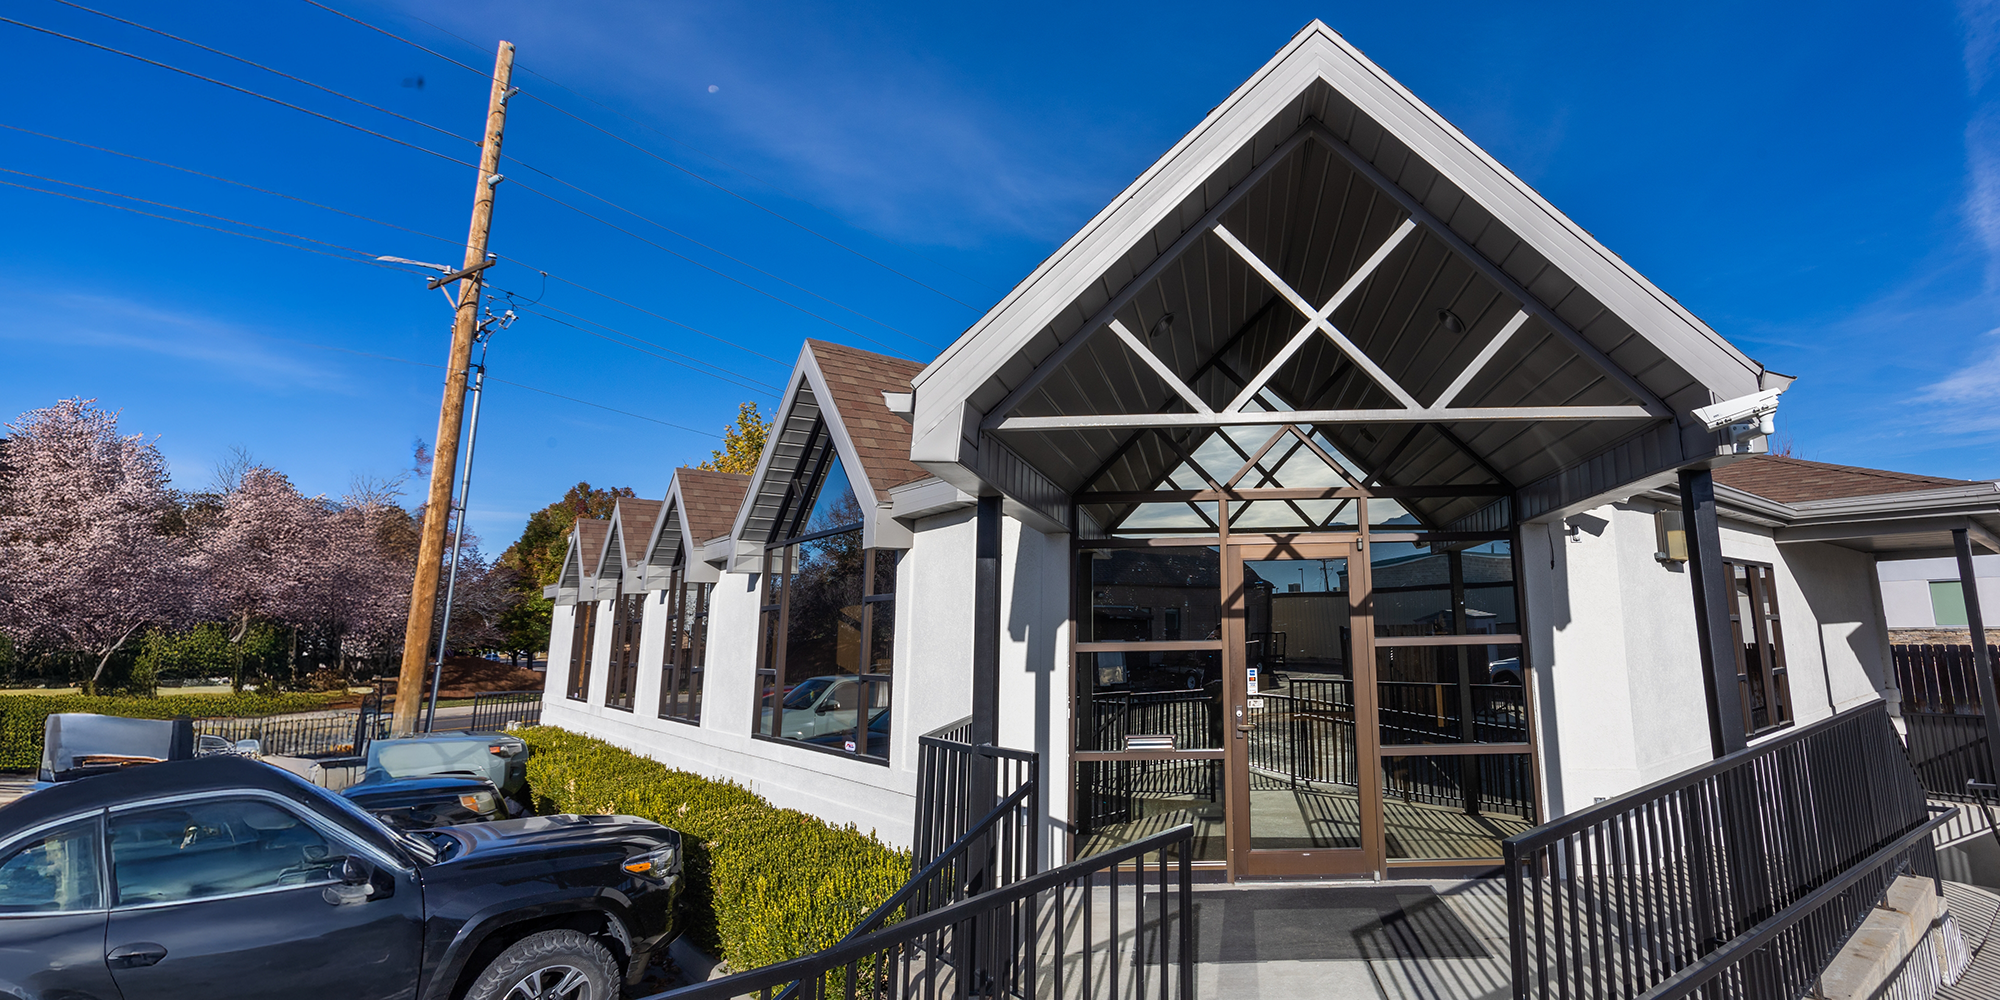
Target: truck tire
x: 550, y: 965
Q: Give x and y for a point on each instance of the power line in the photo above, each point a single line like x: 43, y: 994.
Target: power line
x: 719, y: 370
x: 691, y: 173
x: 251, y: 187
x: 291, y: 197
x: 267, y: 69
x: 161, y: 204
x: 240, y: 90
x: 744, y: 384
x: 722, y: 254
x: 198, y: 225
x: 502, y: 381
x: 366, y: 258
x: 406, y: 41
x: 748, y: 201
x: 669, y: 250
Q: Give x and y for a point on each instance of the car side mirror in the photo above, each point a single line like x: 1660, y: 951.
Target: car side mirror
x: 823, y: 707
x: 354, y: 871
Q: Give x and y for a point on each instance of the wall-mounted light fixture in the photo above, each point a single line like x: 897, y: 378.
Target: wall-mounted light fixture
x: 1671, y: 532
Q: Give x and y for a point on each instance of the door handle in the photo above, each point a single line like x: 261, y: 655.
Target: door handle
x: 135, y: 956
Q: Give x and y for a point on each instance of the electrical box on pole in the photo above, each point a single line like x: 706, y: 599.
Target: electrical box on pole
x: 444, y: 461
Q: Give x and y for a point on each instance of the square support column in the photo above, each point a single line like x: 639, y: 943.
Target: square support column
x: 1713, y: 590
x: 1982, y: 655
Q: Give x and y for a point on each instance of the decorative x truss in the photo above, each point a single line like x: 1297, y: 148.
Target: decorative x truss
x: 1239, y: 410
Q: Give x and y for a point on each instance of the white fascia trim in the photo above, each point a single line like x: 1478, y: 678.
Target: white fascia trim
x: 944, y: 387
x: 926, y: 497
x: 1973, y: 496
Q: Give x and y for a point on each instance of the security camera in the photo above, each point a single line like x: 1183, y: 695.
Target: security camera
x: 1743, y: 417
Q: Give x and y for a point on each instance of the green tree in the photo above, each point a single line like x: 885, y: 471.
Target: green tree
x: 538, y: 555
x: 742, y: 443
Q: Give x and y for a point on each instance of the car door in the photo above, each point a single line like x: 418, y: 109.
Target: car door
x: 238, y: 895
x: 836, y: 711
x: 52, y: 906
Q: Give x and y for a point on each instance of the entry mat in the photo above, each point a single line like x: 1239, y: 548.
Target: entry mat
x: 1306, y: 923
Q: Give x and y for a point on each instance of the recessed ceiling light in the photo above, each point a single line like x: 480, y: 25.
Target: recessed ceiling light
x: 1450, y: 321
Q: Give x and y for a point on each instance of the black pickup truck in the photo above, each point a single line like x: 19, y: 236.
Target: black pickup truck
x: 222, y: 877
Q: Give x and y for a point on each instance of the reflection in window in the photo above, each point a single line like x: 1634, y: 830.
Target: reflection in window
x: 213, y: 847
x: 1422, y: 692
x: 1152, y: 595
x: 685, y: 651
x: 1760, y: 647
x: 583, y: 625
x: 1446, y: 588
x: 1443, y: 808
x: 1120, y: 801
x: 828, y: 629
x: 53, y: 873
x: 628, y: 613
x: 1149, y: 700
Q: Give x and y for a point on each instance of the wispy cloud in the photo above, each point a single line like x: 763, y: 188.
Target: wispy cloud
x: 1971, y: 395
x: 898, y: 141
x: 1981, y: 23
x: 90, y: 322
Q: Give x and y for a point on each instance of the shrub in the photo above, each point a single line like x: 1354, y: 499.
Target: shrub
x: 765, y: 884
x: 23, y: 716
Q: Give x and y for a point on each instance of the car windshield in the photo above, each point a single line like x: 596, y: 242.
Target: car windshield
x: 803, y: 696
x: 411, y: 758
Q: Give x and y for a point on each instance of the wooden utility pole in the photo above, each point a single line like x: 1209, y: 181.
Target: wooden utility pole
x: 444, y: 461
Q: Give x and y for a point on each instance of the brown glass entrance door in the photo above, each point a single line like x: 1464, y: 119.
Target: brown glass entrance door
x: 1297, y: 677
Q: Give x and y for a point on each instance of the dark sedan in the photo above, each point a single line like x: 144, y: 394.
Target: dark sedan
x: 222, y: 877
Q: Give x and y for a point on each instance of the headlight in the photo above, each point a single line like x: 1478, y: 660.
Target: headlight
x: 479, y: 802
x: 658, y: 865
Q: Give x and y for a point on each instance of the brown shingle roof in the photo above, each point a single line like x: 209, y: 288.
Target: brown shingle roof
x: 590, y: 535
x: 1795, y: 480
x: 856, y: 380
x: 635, y: 526
x: 710, y: 501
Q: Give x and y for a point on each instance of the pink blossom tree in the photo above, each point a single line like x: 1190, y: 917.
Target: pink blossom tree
x: 88, y: 554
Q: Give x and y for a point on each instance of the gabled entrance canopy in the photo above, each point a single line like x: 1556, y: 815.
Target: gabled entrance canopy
x: 1325, y: 251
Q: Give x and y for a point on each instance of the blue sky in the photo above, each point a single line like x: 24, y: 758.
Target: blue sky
x: 1820, y: 182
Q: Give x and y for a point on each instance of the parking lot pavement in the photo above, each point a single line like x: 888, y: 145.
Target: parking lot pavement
x: 14, y: 784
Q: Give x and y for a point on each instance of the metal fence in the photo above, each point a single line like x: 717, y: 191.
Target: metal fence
x: 1116, y: 926
x: 339, y: 733
x: 1941, y: 710
x: 1740, y: 878
x: 958, y: 784
x: 497, y: 711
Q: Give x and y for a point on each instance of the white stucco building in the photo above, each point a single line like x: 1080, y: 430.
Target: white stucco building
x: 1329, y: 490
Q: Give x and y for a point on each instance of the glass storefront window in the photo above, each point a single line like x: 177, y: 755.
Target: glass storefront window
x: 1120, y: 801
x: 1151, y: 595
x: 828, y: 630
x: 1124, y: 698
x: 1415, y: 583
x: 1445, y: 808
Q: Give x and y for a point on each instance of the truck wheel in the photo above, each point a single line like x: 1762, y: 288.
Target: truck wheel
x: 550, y: 965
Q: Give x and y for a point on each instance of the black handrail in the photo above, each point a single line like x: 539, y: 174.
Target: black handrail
x: 1758, y: 865
x: 861, y: 963
x: 923, y: 877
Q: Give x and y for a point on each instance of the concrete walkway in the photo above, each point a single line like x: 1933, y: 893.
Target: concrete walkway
x: 1313, y: 941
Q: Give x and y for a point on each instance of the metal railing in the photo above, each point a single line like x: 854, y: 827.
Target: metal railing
x: 496, y: 711
x: 1941, y: 711
x: 1740, y: 878
x: 339, y: 733
x: 957, y: 784
x: 1116, y: 926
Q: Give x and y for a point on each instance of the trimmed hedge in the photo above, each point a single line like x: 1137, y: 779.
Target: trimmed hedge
x: 765, y: 884
x: 23, y: 716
